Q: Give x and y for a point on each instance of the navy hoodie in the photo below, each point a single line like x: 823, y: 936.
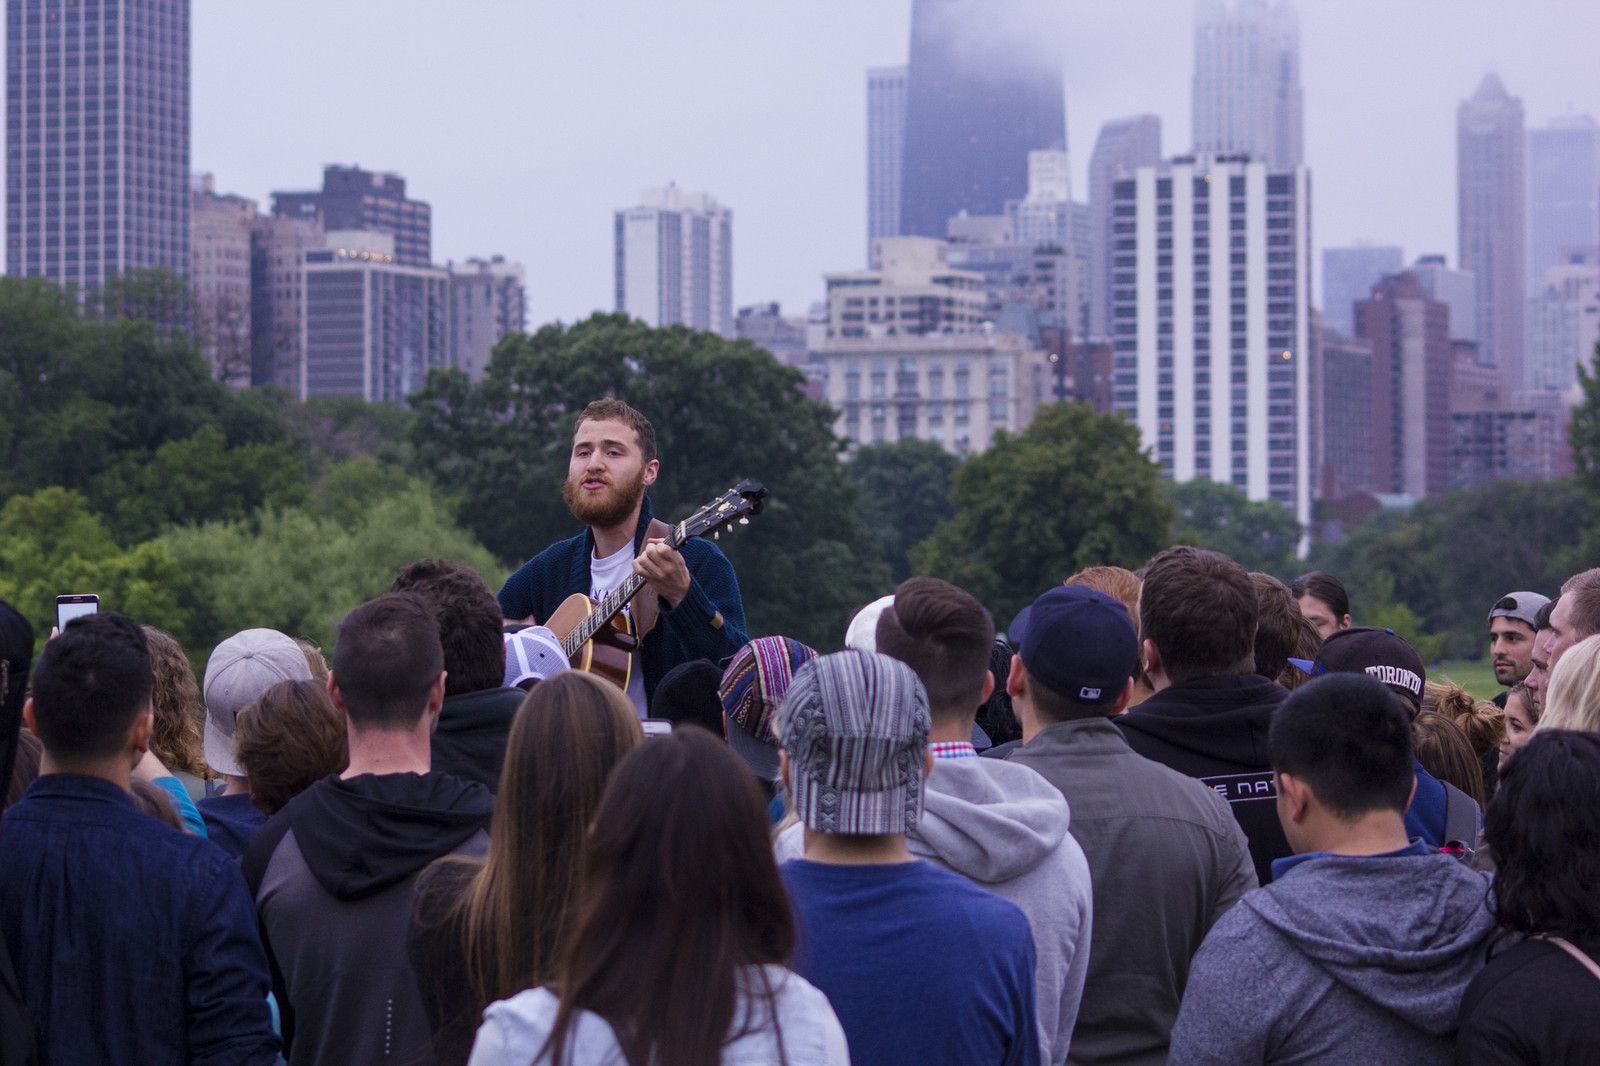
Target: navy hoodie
x: 1215, y: 729
x: 333, y: 876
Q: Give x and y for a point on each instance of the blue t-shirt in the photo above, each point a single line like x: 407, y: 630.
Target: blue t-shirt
x: 921, y: 966
x: 230, y: 822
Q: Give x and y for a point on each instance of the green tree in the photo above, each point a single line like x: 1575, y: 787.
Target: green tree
x: 1258, y: 535
x: 722, y: 410
x: 300, y: 571
x: 1072, y: 490
x: 903, y: 493
x: 51, y: 543
x: 196, y: 480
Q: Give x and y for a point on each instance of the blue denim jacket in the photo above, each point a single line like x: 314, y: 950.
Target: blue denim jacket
x: 133, y: 943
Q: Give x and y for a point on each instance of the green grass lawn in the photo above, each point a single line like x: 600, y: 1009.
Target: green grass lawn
x: 1477, y: 677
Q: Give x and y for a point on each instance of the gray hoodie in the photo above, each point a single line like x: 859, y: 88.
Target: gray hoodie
x: 1343, y: 959
x: 1004, y: 827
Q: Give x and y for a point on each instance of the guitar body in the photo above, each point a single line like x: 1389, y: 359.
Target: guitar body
x: 609, y: 653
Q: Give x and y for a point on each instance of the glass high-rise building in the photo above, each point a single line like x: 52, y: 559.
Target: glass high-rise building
x: 886, y: 151
x: 1563, y: 193
x: 1490, y: 220
x: 1348, y: 275
x: 97, y: 138
x: 1246, y: 96
x: 973, y: 113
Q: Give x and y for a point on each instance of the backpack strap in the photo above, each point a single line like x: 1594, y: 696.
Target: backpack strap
x: 1460, y: 822
x: 1573, y: 950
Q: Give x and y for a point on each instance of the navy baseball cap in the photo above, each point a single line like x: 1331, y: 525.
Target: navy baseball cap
x: 1077, y: 642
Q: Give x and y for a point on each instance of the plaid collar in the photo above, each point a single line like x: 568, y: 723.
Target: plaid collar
x: 960, y: 749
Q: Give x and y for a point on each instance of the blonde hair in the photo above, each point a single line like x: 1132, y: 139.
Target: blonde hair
x: 1480, y: 720
x: 1573, y: 699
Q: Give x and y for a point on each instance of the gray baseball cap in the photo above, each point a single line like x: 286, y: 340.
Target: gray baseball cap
x: 1523, y: 606
x: 240, y: 669
x: 855, y: 725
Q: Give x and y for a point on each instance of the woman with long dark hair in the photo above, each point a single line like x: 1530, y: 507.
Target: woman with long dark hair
x: 1538, y: 1001
x: 684, y: 934
x: 485, y: 930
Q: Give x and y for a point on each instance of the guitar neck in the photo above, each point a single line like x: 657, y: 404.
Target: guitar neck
x: 618, y: 598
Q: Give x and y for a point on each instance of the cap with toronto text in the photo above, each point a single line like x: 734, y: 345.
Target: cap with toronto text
x: 1379, y: 652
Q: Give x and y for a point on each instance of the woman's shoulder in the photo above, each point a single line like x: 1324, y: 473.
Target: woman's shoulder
x: 811, y: 1033
x: 515, y: 1030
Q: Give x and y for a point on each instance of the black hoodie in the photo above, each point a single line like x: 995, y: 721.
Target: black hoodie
x: 333, y: 875
x: 1215, y: 729
x: 471, y: 739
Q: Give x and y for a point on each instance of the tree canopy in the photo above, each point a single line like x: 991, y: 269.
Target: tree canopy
x: 1256, y: 534
x: 903, y: 494
x: 1072, y: 490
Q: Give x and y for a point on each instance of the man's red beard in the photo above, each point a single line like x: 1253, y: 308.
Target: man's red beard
x: 603, y: 509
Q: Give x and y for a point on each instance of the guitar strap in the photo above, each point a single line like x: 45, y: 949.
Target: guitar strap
x: 646, y: 609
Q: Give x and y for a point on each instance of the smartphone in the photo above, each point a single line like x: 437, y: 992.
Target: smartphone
x: 656, y: 727
x: 75, y: 606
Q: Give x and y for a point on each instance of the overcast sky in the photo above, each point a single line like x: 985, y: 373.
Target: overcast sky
x: 526, y: 123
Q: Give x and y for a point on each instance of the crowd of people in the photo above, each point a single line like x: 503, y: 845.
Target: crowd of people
x: 1183, y: 815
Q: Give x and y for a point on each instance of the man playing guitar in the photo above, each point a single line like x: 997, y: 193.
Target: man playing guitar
x: 689, y: 607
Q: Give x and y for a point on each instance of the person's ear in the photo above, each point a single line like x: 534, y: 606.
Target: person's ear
x: 651, y: 470
x: 927, y: 763
x: 335, y: 695
x: 436, y: 693
x: 1152, y: 657
x: 1413, y: 792
x: 1121, y: 705
x: 143, y: 729
x: 1017, y: 678
x: 988, y: 687
x: 27, y: 716
x: 1298, y: 795
x: 783, y: 770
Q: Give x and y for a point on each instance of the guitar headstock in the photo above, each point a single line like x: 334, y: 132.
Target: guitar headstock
x: 735, y: 505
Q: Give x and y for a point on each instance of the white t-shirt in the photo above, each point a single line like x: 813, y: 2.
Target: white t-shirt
x: 515, y: 1029
x: 605, y: 575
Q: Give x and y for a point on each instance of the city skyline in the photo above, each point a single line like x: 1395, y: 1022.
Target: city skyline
x: 788, y: 149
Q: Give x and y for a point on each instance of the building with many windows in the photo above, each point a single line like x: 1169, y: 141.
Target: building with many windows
x: 1564, y: 322
x: 886, y: 151
x: 1412, y: 365
x: 1123, y: 146
x: 487, y: 301
x: 954, y: 389
x: 1246, y: 93
x: 277, y: 274
x: 674, y: 260
x: 97, y: 138
x: 1211, y: 320
x: 1490, y: 222
x: 916, y: 292
x: 372, y: 326
x: 1348, y: 275
x: 356, y: 199
x: 219, y: 273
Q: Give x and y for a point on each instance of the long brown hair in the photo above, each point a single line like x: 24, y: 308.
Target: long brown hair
x: 175, y: 701
x: 1445, y: 752
x: 520, y: 908
x: 680, y: 893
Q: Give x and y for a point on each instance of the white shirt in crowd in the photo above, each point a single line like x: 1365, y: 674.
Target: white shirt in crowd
x: 515, y: 1029
x: 605, y: 575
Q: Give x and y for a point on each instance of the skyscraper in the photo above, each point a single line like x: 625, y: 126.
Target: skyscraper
x: 1348, y: 275
x: 1246, y: 92
x: 487, y: 301
x: 1489, y: 226
x: 886, y: 151
x: 97, y: 138
x: 220, y: 276
x: 674, y: 260
x: 1124, y: 145
x: 1211, y: 314
x: 356, y: 199
x: 1563, y: 183
x: 1411, y: 367
x: 975, y: 108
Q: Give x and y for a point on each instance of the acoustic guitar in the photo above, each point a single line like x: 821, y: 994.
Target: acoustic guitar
x: 597, y: 636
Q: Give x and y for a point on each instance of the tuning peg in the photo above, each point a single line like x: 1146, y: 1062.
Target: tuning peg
x: 717, y: 535
x: 744, y: 521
